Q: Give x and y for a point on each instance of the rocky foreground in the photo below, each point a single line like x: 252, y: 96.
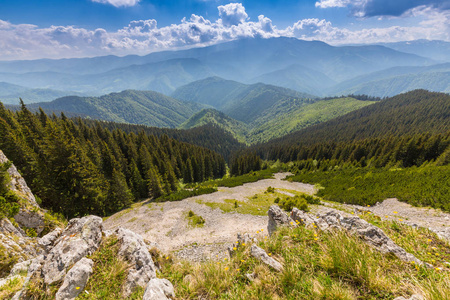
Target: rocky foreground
x: 60, y: 264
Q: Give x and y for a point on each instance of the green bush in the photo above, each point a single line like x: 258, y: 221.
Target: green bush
x: 183, y: 194
x: 297, y: 201
x: 195, y: 220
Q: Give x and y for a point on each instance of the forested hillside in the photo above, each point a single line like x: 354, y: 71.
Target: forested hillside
x: 76, y: 169
x: 209, y: 136
x: 130, y: 106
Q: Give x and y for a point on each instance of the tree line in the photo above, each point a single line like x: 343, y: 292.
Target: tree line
x: 76, y: 168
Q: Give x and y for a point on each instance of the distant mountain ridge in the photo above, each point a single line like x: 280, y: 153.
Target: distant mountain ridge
x: 245, y: 103
x: 306, y: 66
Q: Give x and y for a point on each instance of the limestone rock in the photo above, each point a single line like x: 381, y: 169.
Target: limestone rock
x: 135, y: 251
x: 413, y: 297
x: 277, y: 217
x: 75, y: 280
x: 8, y: 228
x: 80, y: 238
x: 368, y: 232
x: 18, y: 184
x: 31, y: 219
x: 302, y: 217
x: 47, y: 241
x: 159, y: 289
x: 260, y: 254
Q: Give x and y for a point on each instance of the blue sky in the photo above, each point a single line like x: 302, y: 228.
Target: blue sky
x: 32, y: 29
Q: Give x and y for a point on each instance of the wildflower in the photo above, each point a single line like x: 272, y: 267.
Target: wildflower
x: 315, y: 234
x: 368, y: 205
x: 167, y: 257
x: 242, y: 260
x: 395, y: 212
x: 315, y: 239
x: 292, y: 223
x: 270, y: 254
x: 234, y: 248
x: 77, y: 288
x: 243, y: 244
x: 352, y: 213
x: 226, y: 268
x: 238, y: 270
x: 385, y: 216
x: 428, y: 240
x: 262, y: 230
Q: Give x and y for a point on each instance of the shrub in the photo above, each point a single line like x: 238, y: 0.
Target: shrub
x: 297, y: 201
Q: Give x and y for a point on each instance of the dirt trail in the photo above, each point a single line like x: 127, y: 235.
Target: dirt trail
x: 166, y: 224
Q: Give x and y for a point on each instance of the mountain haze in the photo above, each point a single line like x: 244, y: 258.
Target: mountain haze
x: 306, y: 66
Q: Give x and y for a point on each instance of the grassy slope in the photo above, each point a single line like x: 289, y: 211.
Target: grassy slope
x: 296, y: 118
x: 317, y: 265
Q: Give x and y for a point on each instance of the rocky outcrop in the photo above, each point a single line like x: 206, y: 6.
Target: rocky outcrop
x: 18, y: 184
x: 47, y: 241
x: 301, y: 217
x: 159, y: 289
x: 413, y: 297
x: 30, y: 215
x: 368, y: 232
x: 75, y: 280
x: 277, y: 218
x: 135, y: 251
x: 80, y: 238
x: 261, y: 255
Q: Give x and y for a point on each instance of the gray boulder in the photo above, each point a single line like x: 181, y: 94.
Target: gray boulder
x: 135, y: 251
x: 368, y: 232
x: 413, y: 297
x: 277, y: 218
x: 302, y: 217
x: 47, y: 241
x: 18, y: 184
x: 260, y: 254
x: 75, y: 280
x: 159, y: 289
x: 80, y: 238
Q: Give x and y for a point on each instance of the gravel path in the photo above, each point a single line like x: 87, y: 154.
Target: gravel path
x: 165, y: 223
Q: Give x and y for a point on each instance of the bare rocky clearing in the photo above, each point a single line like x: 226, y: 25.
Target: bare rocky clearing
x: 166, y: 225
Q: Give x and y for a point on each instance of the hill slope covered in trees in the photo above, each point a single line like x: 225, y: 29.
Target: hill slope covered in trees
x: 130, y: 106
x: 76, y: 169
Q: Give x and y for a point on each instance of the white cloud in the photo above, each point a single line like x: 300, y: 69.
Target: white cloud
x: 232, y: 14
x: 332, y: 3
x: 118, y: 3
x: 25, y: 41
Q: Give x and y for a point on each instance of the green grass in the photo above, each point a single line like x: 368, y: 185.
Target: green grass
x: 194, y: 219
x: 183, y: 194
x: 242, y: 179
x: 420, y: 186
x: 258, y: 204
x: 109, y: 274
x: 268, y: 127
x: 424, y: 244
x: 317, y: 265
x: 8, y: 290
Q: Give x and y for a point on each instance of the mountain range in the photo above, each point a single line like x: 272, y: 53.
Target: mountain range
x: 311, y: 67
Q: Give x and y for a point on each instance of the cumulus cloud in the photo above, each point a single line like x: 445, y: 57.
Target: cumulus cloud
x: 25, y: 41
x: 370, y: 8
x: 118, y: 3
x: 232, y: 14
